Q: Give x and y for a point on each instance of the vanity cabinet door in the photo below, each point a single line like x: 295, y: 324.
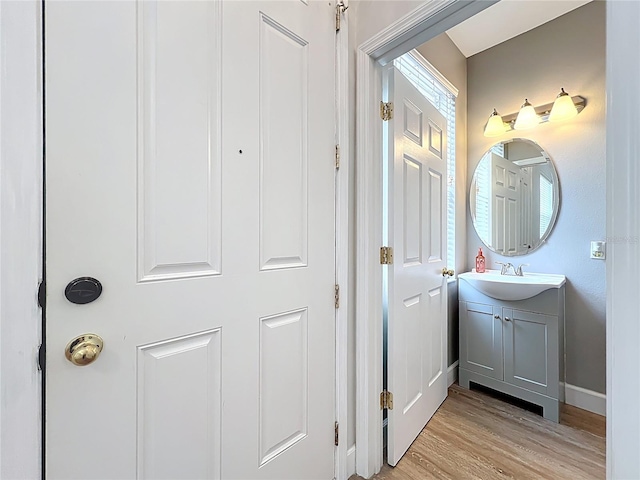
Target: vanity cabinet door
x: 531, y: 351
x: 481, y: 339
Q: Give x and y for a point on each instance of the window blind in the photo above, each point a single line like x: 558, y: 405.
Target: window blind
x: 483, y: 198
x: 546, y: 203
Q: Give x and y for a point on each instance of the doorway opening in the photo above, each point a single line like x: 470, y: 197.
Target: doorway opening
x: 374, y: 54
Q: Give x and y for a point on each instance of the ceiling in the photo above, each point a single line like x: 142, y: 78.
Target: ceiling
x: 506, y: 19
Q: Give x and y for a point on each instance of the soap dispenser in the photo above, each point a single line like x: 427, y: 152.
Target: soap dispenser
x: 480, y: 262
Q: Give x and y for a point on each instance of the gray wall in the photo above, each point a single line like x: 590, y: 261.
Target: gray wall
x: 568, y: 52
x: 443, y: 54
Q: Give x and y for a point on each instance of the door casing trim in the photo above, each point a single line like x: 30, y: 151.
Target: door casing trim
x: 342, y: 245
x: 21, y: 244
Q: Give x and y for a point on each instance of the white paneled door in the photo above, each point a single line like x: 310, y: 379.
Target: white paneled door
x: 417, y: 305
x: 189, y: 169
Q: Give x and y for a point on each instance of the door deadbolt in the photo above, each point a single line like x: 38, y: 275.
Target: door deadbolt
x: 84, y: 349
x: 83, y: 290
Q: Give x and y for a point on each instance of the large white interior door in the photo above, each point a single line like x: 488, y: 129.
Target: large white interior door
x: 417, y: 290
x: 189, y: 170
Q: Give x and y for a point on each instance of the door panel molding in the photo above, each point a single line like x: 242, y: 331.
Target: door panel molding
x: 283, y: 147
x: 189, y: 364
x: 168, y: 132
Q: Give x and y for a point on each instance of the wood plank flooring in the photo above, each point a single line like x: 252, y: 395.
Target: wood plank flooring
x: 478, y: 436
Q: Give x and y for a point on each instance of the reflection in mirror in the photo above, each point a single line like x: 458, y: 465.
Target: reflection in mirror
x: 514, y: 197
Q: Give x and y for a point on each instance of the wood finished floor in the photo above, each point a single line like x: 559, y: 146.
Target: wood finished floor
x: 477, y: 436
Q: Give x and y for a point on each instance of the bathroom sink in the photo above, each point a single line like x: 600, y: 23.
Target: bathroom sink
x: 512, y: 287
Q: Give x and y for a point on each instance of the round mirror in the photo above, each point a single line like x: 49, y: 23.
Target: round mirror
x: 515, y: 196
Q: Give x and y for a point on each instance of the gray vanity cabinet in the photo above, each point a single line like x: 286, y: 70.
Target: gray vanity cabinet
x: 481, y: 347
x: 514, y: 347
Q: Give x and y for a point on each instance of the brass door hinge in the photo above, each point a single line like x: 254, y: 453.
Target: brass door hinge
x: 340, y: 9
x: 386, y: 111
x: 336, y: 438
x: 386, y: 255
x: 386, y: 400
x: 336, y: 296
x: 337, y: 157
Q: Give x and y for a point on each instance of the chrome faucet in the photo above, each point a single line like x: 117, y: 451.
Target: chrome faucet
x: 519, y: 271
x: 504, y: 269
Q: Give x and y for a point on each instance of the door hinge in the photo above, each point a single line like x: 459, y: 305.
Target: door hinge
x: 340, y: 9
x: 386, y: 111
x: 41, y: 357
x: 336, y: 434
x: 336, y: 295
x: 42, y: 294
x: 337, y: 157
x: 386, y: 400
x: 386, y: 255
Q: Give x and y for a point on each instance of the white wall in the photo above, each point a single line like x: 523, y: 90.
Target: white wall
x: 372, y: 16
x: 567, y: 52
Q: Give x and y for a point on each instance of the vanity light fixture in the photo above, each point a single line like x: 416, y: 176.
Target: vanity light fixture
x: 564, y: 107
x: 495, y: 126
x: 527, y: 117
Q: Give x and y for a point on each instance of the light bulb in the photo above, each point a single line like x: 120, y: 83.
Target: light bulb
x: 527, y: 117
x: 495, y: 126
x: 563, y: 108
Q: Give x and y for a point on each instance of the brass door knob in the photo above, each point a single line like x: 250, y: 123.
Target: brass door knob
x: 84, y: 349
x: 447, y: 272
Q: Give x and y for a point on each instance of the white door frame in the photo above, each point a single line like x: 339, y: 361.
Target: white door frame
x: 342, y: 243
x: 623, y: 233
x: 425, y: 22
x: 21, y: 167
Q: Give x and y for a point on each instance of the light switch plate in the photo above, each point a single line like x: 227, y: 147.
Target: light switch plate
x: 598, y: 250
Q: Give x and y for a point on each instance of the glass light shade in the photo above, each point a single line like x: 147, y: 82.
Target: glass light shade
x: 563, y: 108
x: 495, y: 126
x: 527, y: 117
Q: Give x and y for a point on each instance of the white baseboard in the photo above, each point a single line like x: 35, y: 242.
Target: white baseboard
x: 351, y: 461
x: 452, y: 373
x: 586, y: 399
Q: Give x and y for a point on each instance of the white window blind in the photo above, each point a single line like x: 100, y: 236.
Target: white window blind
x: 483, y: 198
x: 442, y: 95
x: 498, y: 149
x: 546, y: 203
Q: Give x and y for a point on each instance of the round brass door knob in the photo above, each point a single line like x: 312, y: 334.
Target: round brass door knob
x: 84, y: 349
x: 447, y: 273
